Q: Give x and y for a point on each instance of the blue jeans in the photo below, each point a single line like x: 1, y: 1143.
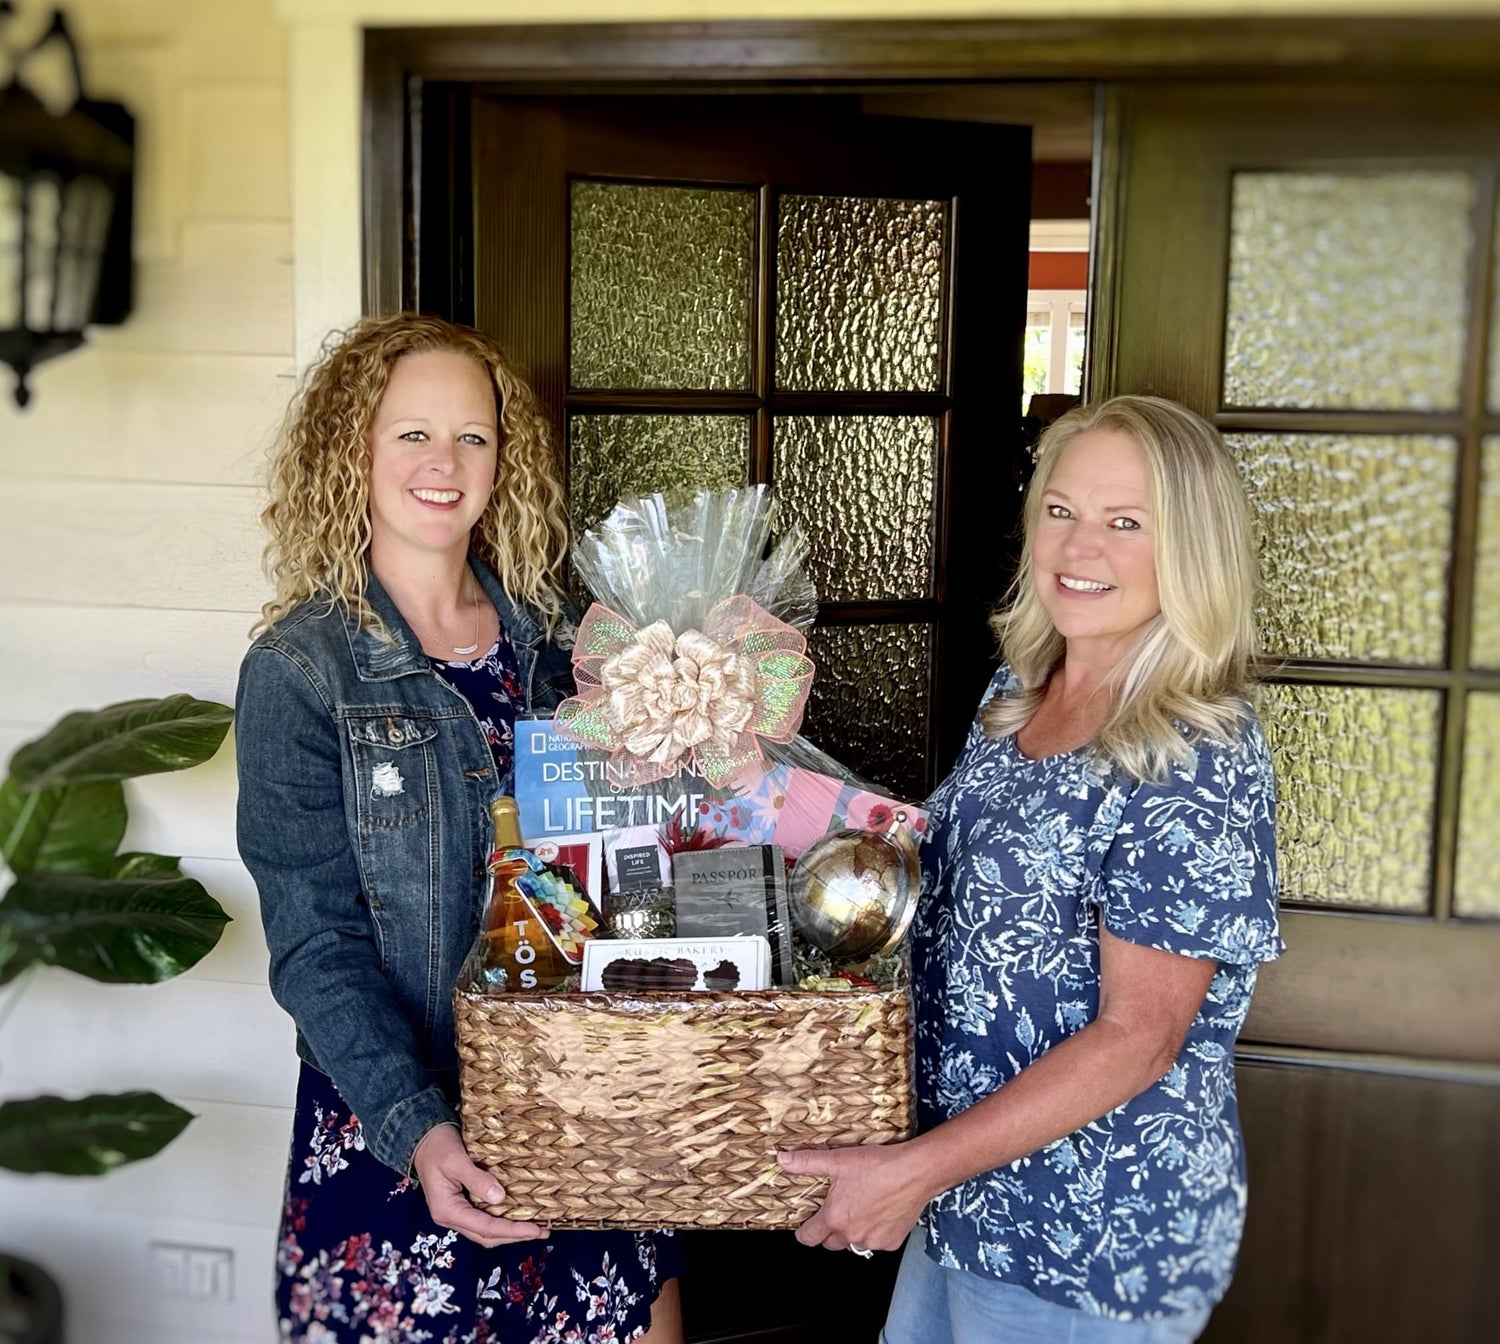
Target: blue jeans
x: 933, y: 1305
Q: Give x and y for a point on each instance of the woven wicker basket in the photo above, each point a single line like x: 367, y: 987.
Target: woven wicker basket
x: 666, y: 1110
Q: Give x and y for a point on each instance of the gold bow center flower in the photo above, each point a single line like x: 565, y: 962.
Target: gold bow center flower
x: 667, y: 695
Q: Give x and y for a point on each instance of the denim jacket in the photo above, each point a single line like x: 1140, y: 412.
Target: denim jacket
x: 363, y: 818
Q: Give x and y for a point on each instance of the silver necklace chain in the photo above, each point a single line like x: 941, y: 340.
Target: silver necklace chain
x: 467, y: 649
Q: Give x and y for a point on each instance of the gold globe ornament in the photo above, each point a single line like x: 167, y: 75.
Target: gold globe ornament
x: 853, y: 892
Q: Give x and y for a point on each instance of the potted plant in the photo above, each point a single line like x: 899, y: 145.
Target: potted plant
x: 77, y: 903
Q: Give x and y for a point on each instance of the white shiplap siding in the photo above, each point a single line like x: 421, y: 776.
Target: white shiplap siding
x: 129, y: 566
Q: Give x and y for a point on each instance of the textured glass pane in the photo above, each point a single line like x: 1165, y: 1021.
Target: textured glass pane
x: 1495, y: 329
x: 614, y: 455
x: 1354, y: 536
x: 1485, y: 645
x: 661, y: 286
x: 1355, y: 775
x: 859, y: 294
x: 1477, y: 890
x: 1348, y: 289
x: 862, y: 488
x: 869, y: 702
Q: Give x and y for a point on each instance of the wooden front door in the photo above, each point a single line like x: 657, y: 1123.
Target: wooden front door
x: 1314, y: 269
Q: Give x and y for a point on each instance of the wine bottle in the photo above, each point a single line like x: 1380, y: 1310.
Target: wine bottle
x: 535, y: 920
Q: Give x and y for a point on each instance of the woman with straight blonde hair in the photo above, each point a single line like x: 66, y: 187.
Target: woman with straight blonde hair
x: 417, y: 534
x: 1099, y: 890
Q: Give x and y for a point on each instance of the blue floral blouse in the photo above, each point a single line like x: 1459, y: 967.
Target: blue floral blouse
x: 1138, y: 1214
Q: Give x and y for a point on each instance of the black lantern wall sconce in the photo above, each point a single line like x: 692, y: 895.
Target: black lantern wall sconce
x: 65, y: 212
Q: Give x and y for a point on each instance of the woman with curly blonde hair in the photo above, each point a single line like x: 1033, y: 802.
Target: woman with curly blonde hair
x: 319, y: 516
x: 417, y: 534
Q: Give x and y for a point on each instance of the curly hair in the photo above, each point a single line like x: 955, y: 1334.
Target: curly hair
x: 1192, y: 666
x: 319, y: 511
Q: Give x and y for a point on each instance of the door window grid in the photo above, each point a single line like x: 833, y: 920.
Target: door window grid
x: 1321, y: 774
x: 910, y: 240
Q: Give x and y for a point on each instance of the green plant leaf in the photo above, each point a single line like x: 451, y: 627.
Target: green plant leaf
x: 123, y: 931
x: 143, y: 865
x: 89, y: 1136
x: 73, y: 828
x: 135, y: 737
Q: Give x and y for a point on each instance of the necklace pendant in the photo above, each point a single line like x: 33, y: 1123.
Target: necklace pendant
x: 467, y: 649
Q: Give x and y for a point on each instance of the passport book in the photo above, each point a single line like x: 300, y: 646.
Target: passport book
x: 734, y: 891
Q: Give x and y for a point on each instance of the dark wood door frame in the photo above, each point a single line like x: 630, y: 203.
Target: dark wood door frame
x: 747, y: 57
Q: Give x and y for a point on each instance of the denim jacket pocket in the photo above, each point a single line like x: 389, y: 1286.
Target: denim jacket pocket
x: 392, y: 757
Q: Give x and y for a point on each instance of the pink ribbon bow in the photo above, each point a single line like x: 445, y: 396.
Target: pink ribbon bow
x: 660, y: 702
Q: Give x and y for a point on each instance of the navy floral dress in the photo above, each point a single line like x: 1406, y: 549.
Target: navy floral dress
x: 1138, y: 1214
x: 361, y: 1262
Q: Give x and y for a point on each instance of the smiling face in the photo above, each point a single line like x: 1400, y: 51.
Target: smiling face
x: 432, y: 457
x: 1092, y: 560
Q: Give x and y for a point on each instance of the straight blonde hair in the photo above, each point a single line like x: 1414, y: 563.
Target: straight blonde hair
x: 1191, y: 667
x: 319, y: 514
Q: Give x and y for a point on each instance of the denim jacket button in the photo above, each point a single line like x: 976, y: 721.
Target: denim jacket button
x: 396, y: 736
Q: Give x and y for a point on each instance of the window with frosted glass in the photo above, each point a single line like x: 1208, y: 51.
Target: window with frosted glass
x: 1354, y: 533
x: 614, y: 455
x: 660, y: 286
x: 1348, y: 289
x: 862, y: 488
x: 1356, y: 772
x: 869, y: 705
x: 859, y: 290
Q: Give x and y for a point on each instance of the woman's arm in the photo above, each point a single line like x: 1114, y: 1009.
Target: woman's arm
x: 1147, y: 1001
x: 325, y: 967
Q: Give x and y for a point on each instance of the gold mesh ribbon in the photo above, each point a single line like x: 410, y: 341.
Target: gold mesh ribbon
x: 661, y: 702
